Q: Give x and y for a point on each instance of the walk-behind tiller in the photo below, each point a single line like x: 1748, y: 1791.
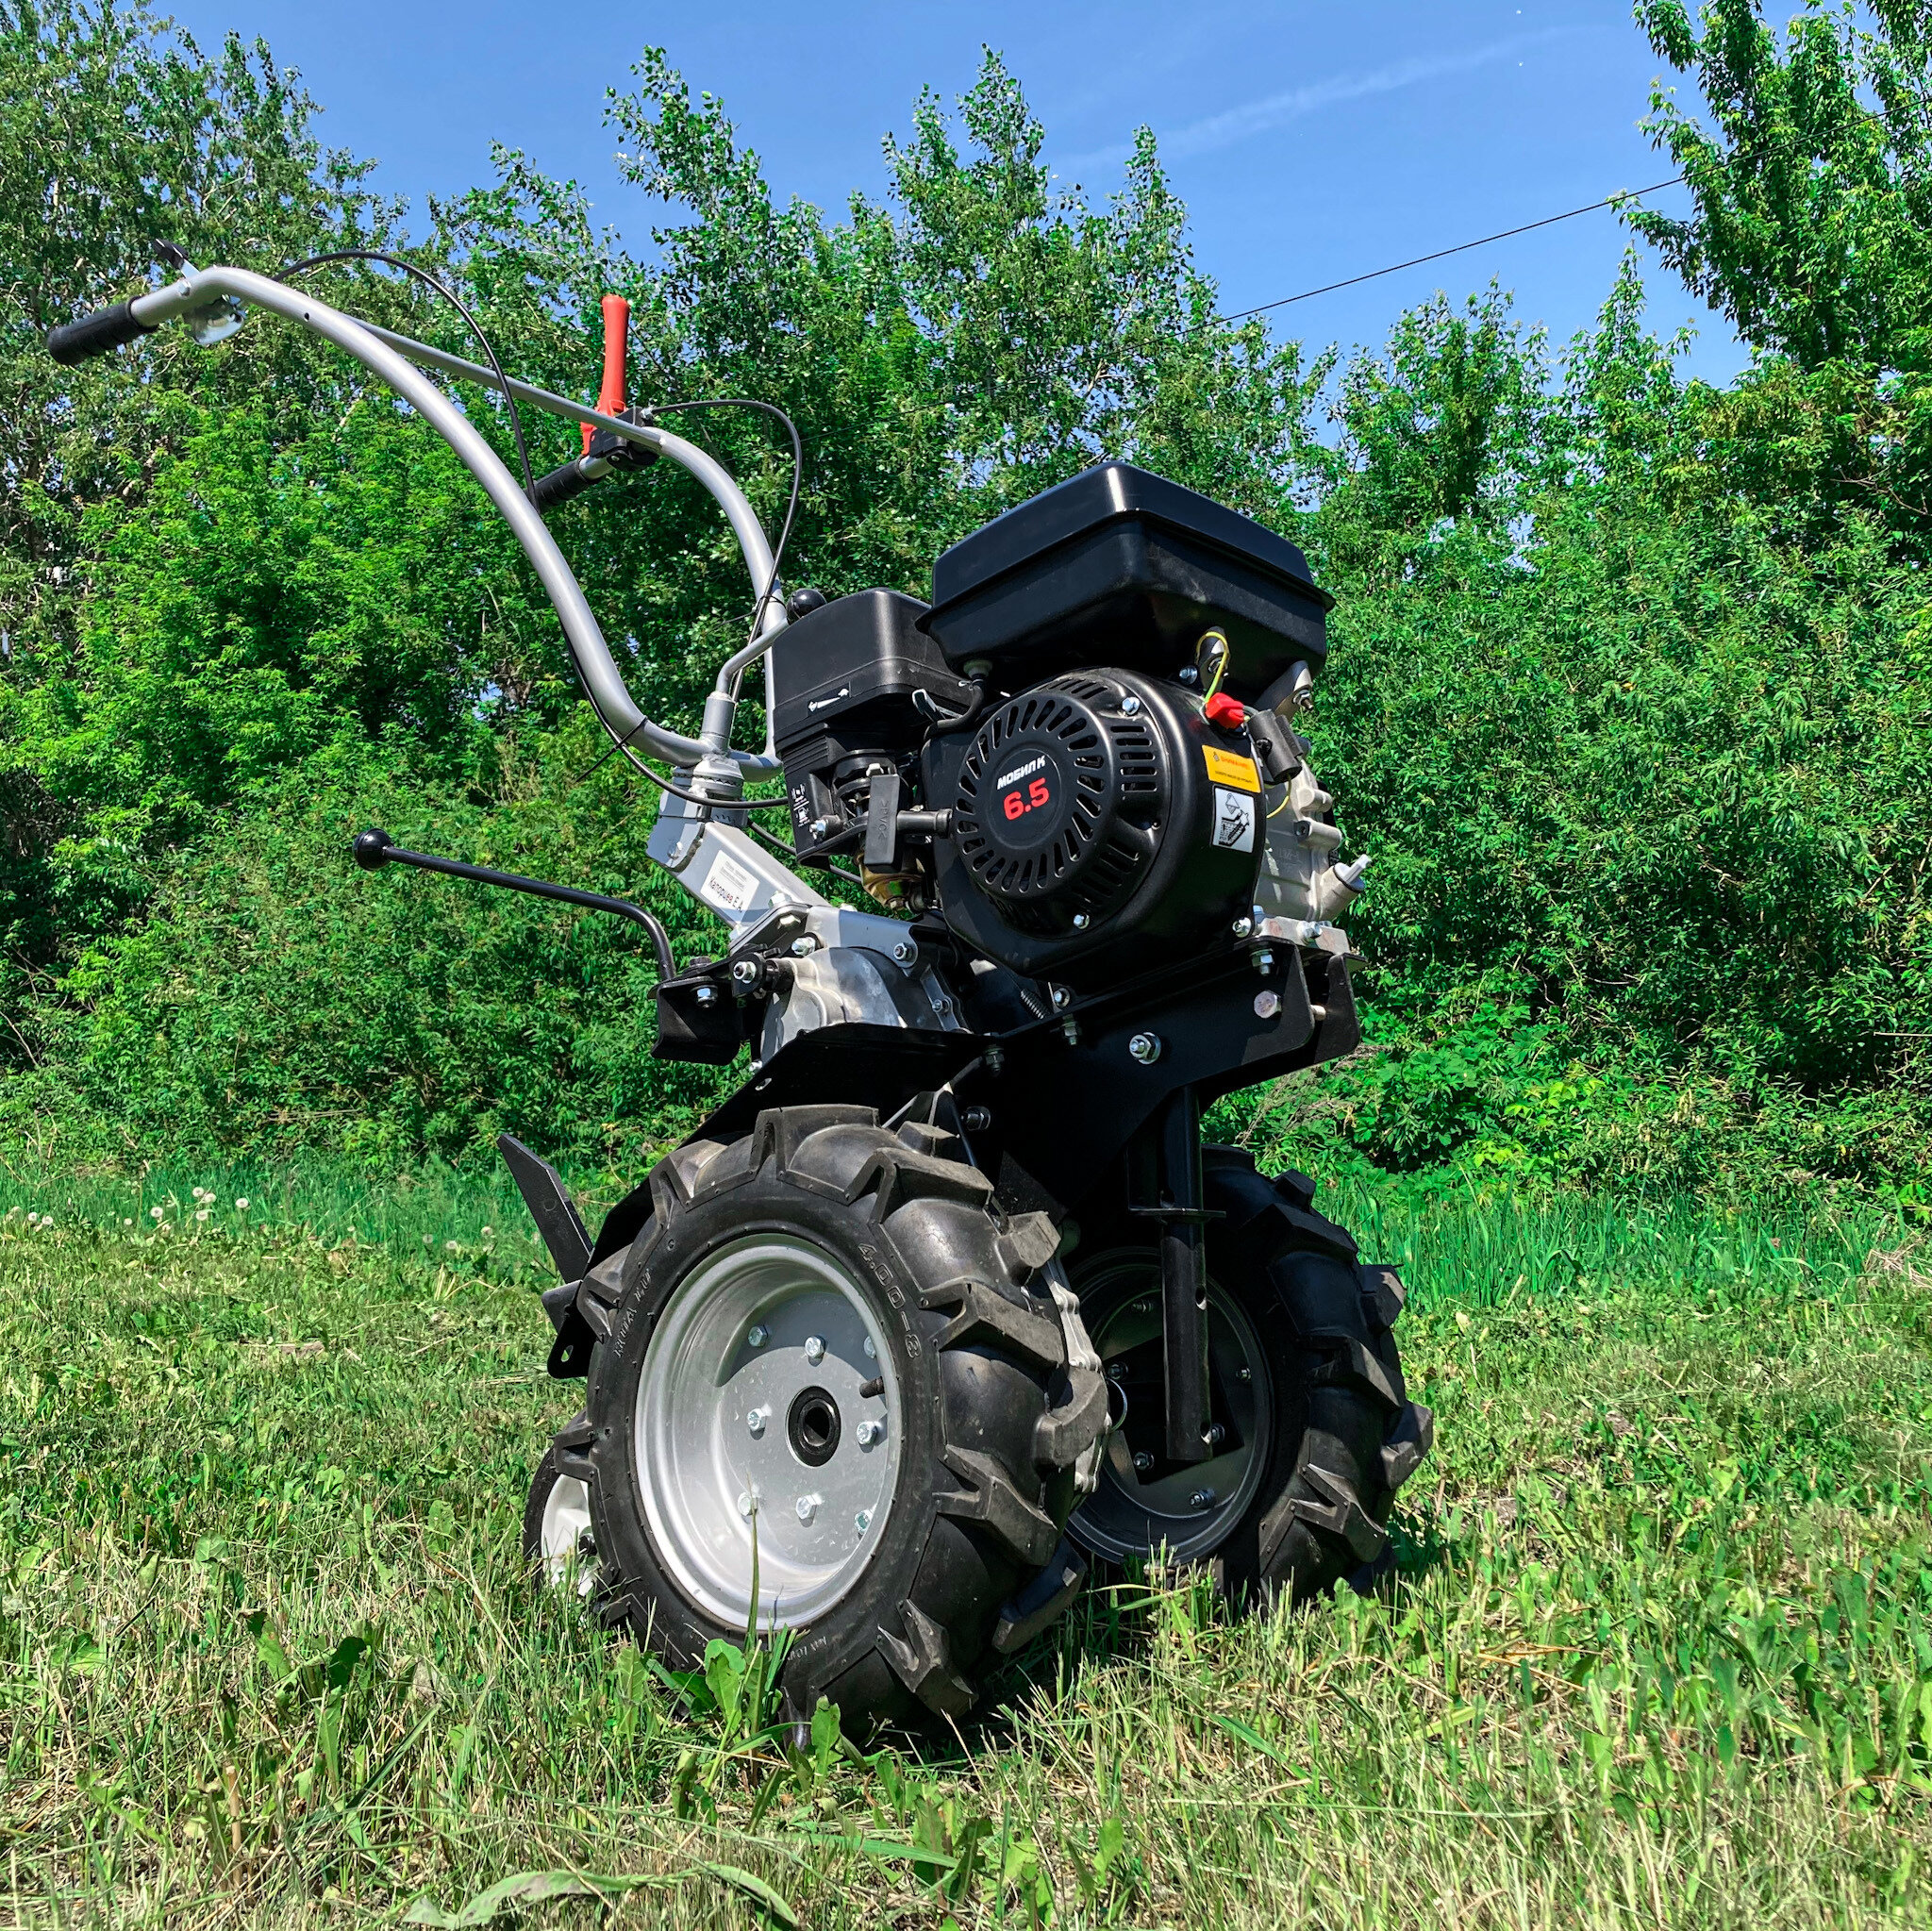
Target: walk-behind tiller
x: 948, y: 1301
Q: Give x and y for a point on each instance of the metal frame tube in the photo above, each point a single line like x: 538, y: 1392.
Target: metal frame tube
x: 595, y: 666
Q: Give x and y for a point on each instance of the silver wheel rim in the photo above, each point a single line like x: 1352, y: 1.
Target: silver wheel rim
x: 750, y: 1422
x: 561, y: 1538
x: 1137, y: 1510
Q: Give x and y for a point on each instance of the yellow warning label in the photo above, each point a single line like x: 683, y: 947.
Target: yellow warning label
x: 1231, y: 768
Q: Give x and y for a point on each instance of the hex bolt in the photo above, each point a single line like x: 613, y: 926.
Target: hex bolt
x: 1259, y: 915
x: 869, y: 1432
x: 1201, y: 1498
x: 758, y: 1336
x: 906, y: 952
x: 1245, y: 1374
x: 1061, y: 998
x: 1188, y: 675
x: 1145, y: 1047
x: 1242, y: 926
x: 1070, y: 1028
x: 756, y: 1421
x: 804, y: 945
x: 1116, y: 1371
x: 1130, y: 705
x: 1081, y: 922
x: 708, y: 995
x: 806, y: 1507
x: 1215, y: 1436
x: 819, y: 828
x: 814, y: 1348
x: 872, y: 1349
x: 1264, y: 961
x: 976, y: 1118
x: 746, y: 972
x: 743, y: 1502
x: 862, y: 1520
x: 1267, y: 1003
x: 1142, y: 1462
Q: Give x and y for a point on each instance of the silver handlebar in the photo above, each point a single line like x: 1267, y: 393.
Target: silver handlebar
x: 384, y: 354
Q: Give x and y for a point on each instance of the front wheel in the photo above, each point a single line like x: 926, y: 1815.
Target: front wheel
x: 838, y: 1392
x: 1313, y: 1431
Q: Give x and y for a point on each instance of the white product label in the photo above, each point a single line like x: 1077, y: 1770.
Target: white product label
x: 1233, y: 821
x: 729, y: 887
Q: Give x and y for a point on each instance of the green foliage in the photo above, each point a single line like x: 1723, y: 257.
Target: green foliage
x: 1627, y: 694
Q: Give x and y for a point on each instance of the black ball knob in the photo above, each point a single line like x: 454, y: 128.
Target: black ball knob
x: 371, y: 848
x: 804, y: 601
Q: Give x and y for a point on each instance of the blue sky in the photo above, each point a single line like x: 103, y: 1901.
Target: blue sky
x: 1310, y: 142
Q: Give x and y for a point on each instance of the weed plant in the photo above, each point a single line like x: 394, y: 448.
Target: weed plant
x: 1659, y: 1649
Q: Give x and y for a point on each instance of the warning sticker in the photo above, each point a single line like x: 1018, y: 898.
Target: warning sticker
x: 1231, y: 768
x: 729, y: 888
x: 1233, y: 821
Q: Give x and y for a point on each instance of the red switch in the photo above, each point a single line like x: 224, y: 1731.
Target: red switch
x: 1229, y: 713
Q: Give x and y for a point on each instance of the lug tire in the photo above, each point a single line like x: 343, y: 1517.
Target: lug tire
x: 999, y: 1406
x: 1343, y: 1434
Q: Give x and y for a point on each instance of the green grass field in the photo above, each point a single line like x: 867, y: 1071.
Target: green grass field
x: 1660, y: 1649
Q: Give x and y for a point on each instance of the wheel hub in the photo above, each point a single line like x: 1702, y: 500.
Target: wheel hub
x: 1145, y: 1500
x: 767, y: 1431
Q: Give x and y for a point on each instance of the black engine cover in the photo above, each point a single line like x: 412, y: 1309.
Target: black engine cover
x: 1100, y: 825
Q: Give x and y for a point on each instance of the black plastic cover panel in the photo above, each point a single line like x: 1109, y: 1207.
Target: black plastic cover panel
x: 842, y: 677
x: 1119, y: 566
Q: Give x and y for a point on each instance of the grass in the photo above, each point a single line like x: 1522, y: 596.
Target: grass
x: 1660, y: 1650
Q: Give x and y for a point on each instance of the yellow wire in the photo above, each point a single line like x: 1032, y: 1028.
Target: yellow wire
x: 1221, y: 662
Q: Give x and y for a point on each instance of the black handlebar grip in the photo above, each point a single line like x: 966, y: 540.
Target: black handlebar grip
x: 560, y: 485
x: 98, y: 334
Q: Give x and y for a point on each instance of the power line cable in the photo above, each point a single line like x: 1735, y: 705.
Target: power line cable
x: 1460, y: 248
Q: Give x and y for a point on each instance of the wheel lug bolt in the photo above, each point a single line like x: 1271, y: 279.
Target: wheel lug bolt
x: 1201, y: 1498
x: 814, y: 1349
x: 759, y: 1336
x: 808, y: 1507
x: 862, y: 1520
x: 1142, y: 1462
x: 756, y: 1421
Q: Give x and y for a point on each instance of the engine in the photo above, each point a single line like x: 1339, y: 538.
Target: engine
x: 1082, y: 754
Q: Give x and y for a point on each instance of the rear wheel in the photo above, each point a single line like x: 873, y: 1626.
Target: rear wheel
x: 836, y: 1391
x: 1314, y: 1431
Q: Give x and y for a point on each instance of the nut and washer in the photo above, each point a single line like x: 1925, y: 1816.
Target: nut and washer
x: 708, y: 995
x: 1242, y: 926
x: 1061, y: 998
x: 758, y: 1336
x: 1201, y: 1498
x: 905, y: 952
x: 1145, y: 1047
x: 746, y: 972
x: 814, y: 1348
x: 1142, y: 1462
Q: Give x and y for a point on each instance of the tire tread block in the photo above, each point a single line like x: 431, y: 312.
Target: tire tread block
x: 1332, y: 1508
x: 986, y: 1315
x: 1027, y: 1532
x: 922, y: 1660
x: 1383, y: 1296
x: 1065, y: 1433
x: 1408, y: 1445
x: 1353, y: 1364
x: 1042, y: 1601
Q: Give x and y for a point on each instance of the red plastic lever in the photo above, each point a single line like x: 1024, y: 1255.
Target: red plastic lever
x: 616, y: 355
x: 1228, y: 711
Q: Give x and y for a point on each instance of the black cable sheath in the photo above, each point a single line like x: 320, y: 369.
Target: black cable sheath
x: 449, y: 295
